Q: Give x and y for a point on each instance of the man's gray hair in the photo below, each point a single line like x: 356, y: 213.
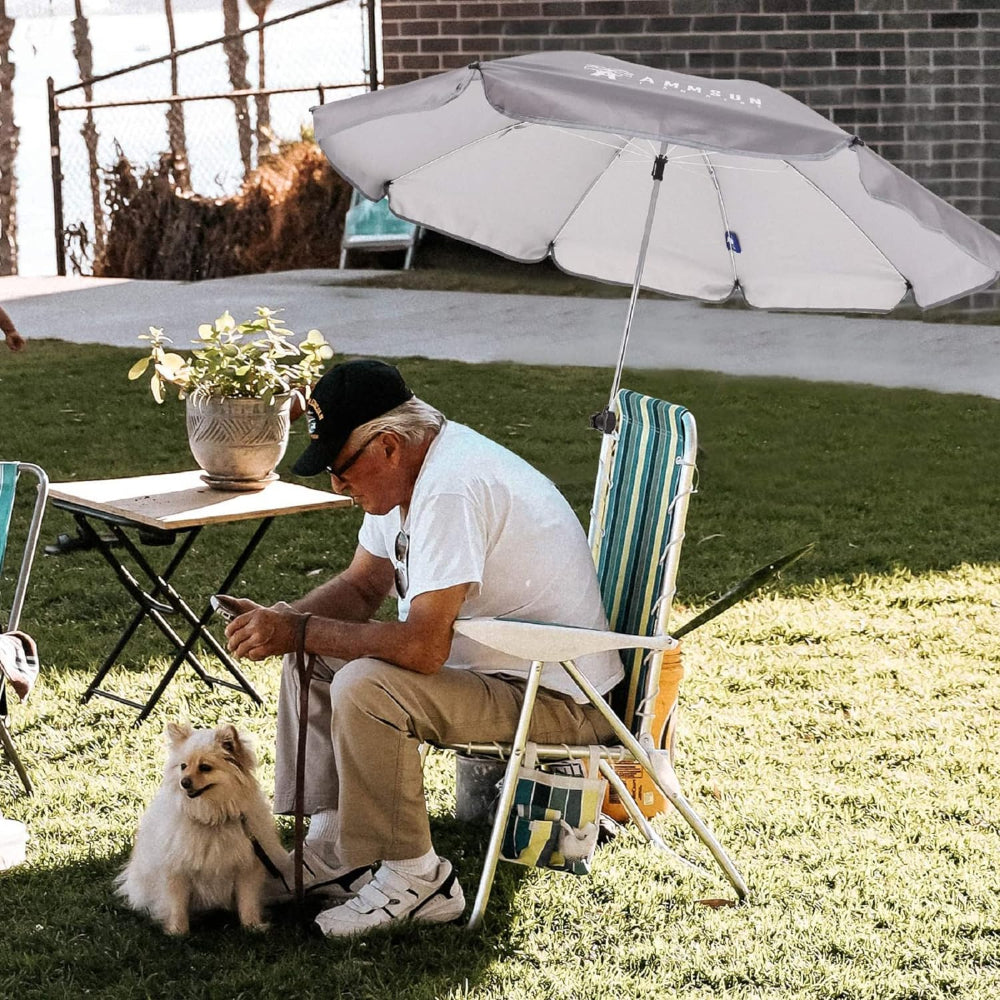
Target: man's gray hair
x: 412, y: 421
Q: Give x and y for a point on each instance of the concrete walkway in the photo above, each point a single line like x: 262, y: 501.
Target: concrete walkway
x: 528, y: 328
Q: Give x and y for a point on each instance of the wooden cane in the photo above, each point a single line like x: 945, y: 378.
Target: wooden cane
x: 304, y: 668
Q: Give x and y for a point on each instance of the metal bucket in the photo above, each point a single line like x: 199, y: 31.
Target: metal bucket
x: 476, y: 781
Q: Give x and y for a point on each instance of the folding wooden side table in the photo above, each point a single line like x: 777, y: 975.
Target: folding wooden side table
x: 171, y: 510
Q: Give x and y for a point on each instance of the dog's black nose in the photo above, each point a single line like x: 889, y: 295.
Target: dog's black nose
x: 185, y: 782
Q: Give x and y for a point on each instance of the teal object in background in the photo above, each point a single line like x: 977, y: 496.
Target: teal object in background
x: 8, y: 483
x: 9, y: 474
x: 371, y: 225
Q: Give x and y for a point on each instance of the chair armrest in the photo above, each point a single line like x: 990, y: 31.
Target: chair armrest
x: 552, y: 643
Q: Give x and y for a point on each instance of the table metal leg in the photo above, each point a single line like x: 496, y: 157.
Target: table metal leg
x: 222, y: 653
x: 200, y: 630
x: 174, y: 605
x: 164, y: 599
x: 144, y: 600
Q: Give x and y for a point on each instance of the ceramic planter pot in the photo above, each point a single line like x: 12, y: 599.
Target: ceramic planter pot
x: 238, y: 442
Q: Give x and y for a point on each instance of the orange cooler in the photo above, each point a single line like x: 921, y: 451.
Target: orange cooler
x: 635, y: 777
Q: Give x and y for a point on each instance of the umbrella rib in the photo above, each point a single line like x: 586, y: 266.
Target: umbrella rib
x: 722, y: 208
x: 619, y: 151
x: 850, y: 221
x: 451, y: 152
x: 628, y: 147
x: 590, y: 187
x: 696, y: 157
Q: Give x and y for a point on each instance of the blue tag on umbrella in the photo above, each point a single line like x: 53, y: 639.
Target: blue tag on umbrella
x: 732, y: 241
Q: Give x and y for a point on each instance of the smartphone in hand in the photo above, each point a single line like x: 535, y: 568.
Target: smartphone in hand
x: 225, y: 606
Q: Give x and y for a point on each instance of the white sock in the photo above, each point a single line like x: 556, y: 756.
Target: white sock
x: 422, y: 867
x: 324, y: 827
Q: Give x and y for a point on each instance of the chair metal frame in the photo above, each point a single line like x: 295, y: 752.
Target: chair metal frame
x: 17, y: 604
x: 564, y: 645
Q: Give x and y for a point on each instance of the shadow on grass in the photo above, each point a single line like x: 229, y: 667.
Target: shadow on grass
x: 66, y: 934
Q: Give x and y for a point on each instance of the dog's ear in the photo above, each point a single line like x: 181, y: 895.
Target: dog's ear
x: 236, y: 746
x: 227, y: 738
x: 178, y: 732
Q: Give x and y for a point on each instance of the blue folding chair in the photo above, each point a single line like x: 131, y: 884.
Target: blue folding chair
x: 370, y: 225
x: 9, y: 472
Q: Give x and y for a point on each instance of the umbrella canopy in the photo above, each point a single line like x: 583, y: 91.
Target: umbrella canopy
x: 688, y: 186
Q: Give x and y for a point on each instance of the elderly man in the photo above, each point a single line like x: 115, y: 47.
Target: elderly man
x: 456, y: 526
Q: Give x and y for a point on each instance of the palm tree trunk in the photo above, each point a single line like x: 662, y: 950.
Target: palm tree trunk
x: 262, y: 101
x: 83, y: 51
x: 8, y: 150
x: 236, y: 56
x: 175, y: 113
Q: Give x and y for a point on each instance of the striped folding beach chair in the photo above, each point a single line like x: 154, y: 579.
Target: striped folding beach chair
x: 637, y: 528
x: 644, y: 483
x: 9, y: 472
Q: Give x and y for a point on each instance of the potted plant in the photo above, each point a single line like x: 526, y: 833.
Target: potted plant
x: 239, y: 383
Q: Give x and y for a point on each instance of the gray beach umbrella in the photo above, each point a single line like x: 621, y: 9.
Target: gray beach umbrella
x: 688, y: 186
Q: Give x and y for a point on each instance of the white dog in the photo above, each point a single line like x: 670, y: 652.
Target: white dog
x: 208, y: 838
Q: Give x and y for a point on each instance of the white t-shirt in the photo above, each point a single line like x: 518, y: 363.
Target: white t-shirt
x: 481, y: 515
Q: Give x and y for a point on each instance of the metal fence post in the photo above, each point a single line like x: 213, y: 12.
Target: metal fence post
x: 63, y: 188
x: 373, y: 80
x: 57, y: 178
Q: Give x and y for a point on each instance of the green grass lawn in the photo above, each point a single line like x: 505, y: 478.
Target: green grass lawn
x: 838, y: 731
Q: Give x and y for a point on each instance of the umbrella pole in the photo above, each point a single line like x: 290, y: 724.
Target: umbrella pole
x: 606, y: 420
x: 658, y: 165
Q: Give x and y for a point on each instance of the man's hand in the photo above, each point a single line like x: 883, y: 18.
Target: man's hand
x: 258, y: 632
x: 421, y: 643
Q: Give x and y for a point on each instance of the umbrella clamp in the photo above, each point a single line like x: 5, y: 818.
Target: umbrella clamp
x: 605, y: 421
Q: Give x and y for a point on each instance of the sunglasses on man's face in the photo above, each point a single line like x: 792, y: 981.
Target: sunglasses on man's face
x: 338, y: 473
x: 402, y: 550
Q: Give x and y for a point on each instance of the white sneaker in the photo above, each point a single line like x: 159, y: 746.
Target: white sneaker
x: 391, y: 896
x: 319, y: 880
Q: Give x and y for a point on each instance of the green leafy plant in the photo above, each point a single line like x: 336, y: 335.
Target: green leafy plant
x: 249, y: 360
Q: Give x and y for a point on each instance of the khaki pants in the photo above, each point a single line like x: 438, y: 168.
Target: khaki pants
x: 367, y: 719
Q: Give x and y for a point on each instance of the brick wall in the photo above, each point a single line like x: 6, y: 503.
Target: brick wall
x: 918, y: 80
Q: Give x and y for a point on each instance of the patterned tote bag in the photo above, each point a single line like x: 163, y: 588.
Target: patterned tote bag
x: 555, y: 818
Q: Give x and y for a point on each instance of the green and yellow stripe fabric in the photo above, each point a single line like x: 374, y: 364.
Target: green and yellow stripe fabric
x: 637, y: 509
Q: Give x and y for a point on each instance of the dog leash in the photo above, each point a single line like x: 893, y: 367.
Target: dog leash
x: 262, y: 856
x: 304, y: 668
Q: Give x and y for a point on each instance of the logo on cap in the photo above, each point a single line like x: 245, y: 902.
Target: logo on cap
x: 314, y: 414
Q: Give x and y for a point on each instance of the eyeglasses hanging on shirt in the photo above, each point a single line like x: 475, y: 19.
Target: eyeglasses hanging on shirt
x: 402, y: 551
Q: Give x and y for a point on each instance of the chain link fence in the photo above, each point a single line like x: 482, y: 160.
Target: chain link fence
x: 217, y: 123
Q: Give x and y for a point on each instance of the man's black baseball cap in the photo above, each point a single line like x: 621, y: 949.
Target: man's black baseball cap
x: 347, y: 396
